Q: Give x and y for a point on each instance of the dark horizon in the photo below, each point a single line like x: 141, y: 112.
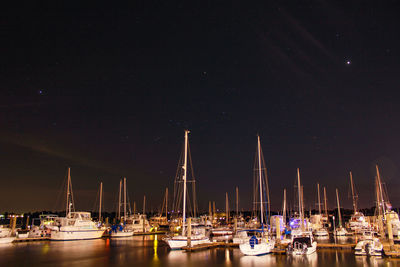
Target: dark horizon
x: 109, y: 89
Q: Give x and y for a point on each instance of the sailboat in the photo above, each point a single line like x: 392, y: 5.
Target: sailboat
x: 385, y: 207
x: 303, y: 241
x: 121, y: 230
x: 340, y: 230
x: 259, y: 245
x: 357, y: 220
x: 320, y: 230
x: 179, y: 241
x: 75, y: 225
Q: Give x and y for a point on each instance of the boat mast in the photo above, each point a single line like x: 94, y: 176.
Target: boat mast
x: 353, y: 193
x: 124, y: 198
x: 101, y: 196
x: 284, y: 206
x: 325, y: 203
x: 144, y: 204
x: 68, y: 207
x: 166, y: 203
x: 237, y: 201
x: 382, y: 202
x: 259, y: 173
x: 119, y: 199
x: 319, y: 200
x: 300, y: 204
x: 338, y: 204
x: 184, y: 167
x: 227, y: 208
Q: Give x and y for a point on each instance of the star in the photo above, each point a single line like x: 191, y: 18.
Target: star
x: 348, y: 62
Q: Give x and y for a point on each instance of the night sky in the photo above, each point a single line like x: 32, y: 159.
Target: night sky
x: 109, y: 89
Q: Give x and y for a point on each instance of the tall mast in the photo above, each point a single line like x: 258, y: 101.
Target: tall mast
x: 353, y: 193
x: 119, y: 199
x: 184, y: 182
x: 237, y: 201
x: 144, y: 204
x: 124, y: 198
x: 227, y: 207
x: 284, y: 206
x: 382, y: 202
x: 300, y: 204
x: 259, y: 173
x: 166, y: 202
x: 101, y: 196
x: 325, y: 203
x: 338, y: 204
x: 68, y: 207
x: 378, y: 202
x: 319, y: 201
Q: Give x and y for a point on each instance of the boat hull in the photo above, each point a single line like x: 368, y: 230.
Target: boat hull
x: 256, y: 249
x: 75, y: 235
x: 121, y: 234
x: 6, y: 240
x: 178, y: 242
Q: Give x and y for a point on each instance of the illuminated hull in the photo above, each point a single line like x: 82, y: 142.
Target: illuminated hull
x: 257, y: 249
x: 369, y: 248
x: 4, y: 232
x: 6, y: 240
x: 71, y: 233
x: 121, y: 234
x: 321, y: 232
x: 178, y: 242
x: 341, y: 232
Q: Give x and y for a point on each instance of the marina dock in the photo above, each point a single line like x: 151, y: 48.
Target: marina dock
x: 31, y: 239
x: 209, y: 246
x: 334, y: 245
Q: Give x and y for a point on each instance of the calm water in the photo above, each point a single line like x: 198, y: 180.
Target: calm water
x: 152, y: 251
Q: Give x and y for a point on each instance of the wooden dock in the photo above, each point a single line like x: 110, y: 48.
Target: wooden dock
x: 30, y: 239
x: 393, y: 253
x: 209, y: 246
x: 334, y: 245
x: 150, y: 233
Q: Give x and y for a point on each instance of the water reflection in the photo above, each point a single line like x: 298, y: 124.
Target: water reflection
x: 153, y: 251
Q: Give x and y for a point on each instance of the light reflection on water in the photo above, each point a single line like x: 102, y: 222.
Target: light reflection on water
x: 152, y: 251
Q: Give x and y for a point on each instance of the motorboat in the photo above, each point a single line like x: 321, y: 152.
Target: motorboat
x: 137, y: 223
x: 303, y: 244
x: 369, y: 245
x: 75, y: 226
x: 37, y: 231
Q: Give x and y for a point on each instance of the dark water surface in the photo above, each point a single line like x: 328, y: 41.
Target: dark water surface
x: 152, y: 251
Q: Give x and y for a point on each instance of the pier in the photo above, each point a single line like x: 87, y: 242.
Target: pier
x: 30, y: 239
x: 209, y: 246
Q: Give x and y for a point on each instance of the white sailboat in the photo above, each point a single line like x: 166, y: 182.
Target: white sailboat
x: 340, y: 230
x: 320, y: 230
x: 75, y: 225
x: 177, y: 242
x: 258, y: 245
x: 357, y: 221
x: 121, y: 230
x: 303, y: 242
